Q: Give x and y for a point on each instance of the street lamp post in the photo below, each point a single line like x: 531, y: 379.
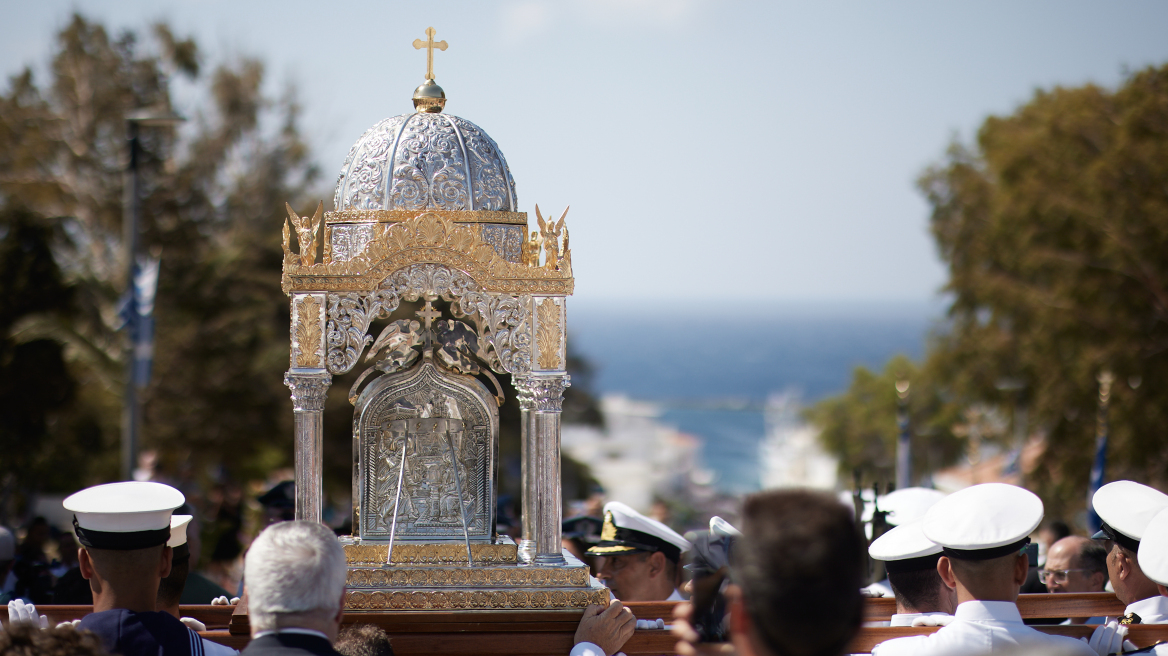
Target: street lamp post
x: 904, y: 438
x: 1102, y: 430
x: 138, y: 299
x: 1017, y: 388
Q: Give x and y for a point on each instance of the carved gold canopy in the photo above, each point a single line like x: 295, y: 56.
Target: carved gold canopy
x: 447, y: 238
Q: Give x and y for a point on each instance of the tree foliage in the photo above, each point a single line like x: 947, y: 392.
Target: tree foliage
x: 1054, y: 230
x: 212, y: 198
x: 859, y: 427
x: 1054, y: 226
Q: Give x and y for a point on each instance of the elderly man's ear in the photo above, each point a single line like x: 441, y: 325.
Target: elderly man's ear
x: 656, y: 564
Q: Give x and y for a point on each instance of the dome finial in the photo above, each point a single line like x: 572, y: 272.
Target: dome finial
x: 429, y: 97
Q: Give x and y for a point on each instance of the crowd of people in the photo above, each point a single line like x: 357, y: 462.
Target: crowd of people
x: 789, y: 580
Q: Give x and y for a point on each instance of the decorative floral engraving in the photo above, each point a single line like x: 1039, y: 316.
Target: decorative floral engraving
x: 503, y: 334
x: 431, y: 554
x: 361, y: 184
x: 425, y: 161
x: 349, y: 241
x: 474, y: 599
x: 349, y: 316
x: 308, y: 333
x: 502, y: 323
x: 506, y: 239
x: 549, y: 335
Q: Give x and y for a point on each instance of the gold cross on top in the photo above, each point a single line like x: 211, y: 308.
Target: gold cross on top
x: 428, y: 314
x: 429, y: 44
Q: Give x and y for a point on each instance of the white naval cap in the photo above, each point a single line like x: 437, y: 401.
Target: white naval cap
x: 123, y: 516
x: 628, y: 531
x: 908, y: 504
x: 984, y: 521
x: 1153, y: 551
x: 906, y: 549
x: 178, y: 530
x: 1126, y: 507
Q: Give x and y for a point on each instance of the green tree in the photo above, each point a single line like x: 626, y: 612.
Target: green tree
x: 212, y: 199
x: 1053, y: 226
x: 859, y: 427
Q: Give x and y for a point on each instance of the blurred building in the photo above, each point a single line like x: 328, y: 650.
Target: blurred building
x: 790, y: 454
x: 635, y: 456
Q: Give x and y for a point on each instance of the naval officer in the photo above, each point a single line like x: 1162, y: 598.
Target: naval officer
x: 1126, y: 508
x: 910, y: 558
x: 170, y: 590
x: 1153, y: 557
x: 123, y: 529
x: 641, y: 556
x: 982, y: 531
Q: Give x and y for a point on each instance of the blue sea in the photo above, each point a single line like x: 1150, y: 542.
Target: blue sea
x: 712, y: 367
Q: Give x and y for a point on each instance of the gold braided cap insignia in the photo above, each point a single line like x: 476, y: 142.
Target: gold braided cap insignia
x: 608, y: 531
x: 608, y: 534
x: 1130, y: 618
x: 616, y: 549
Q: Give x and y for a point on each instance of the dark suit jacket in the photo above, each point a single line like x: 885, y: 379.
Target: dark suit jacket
x: 289, y: 644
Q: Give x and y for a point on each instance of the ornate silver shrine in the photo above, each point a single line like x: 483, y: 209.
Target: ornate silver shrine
x: 426, y: 213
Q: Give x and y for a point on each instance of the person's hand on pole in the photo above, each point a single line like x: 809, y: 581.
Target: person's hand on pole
x: 606, y: 628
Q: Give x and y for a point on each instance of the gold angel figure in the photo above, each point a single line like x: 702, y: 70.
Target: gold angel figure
x: 550, y: 236
x: 306, y: 232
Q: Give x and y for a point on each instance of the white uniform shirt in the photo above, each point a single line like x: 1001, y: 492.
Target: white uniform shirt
x: 906, y: 619
x: 1153, y: 610
x: 980, y: 627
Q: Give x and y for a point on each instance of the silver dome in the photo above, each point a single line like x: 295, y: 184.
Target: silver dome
x: 425, y: 161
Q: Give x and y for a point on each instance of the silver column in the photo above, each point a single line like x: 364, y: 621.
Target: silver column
x: 308, y: 394
x: 527, y: 449
x: 541, y: 399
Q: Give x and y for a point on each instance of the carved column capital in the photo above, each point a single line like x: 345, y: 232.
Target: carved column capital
x: 308, y: 390
x: 541, y: 394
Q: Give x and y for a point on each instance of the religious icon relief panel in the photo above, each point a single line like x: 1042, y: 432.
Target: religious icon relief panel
x: 432, y: 433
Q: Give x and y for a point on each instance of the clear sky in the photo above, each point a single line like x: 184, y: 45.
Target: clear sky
x: 758, y: 150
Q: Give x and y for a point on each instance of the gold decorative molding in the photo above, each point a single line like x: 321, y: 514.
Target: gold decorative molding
x: 308, y: 343
x: 398, y: 216
x: 475, y: 599
x: 499, y: 576
x: 431, y: 554
x: 549, y: 335
x: 429, y: 237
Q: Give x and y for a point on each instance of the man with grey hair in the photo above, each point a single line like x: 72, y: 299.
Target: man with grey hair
x: 295, y: 578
